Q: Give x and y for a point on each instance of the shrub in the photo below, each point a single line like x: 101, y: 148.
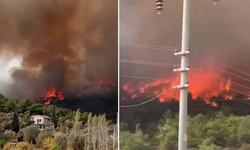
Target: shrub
x: 23, y: 146
x: 20, y: 136
x: 7, y: 146
x: 57, y: 147
x: 2, y: 143
x: 1, y: 131
x: 47, y: 132
x: 30, y: 133
x: 6, y: 125
x: 208, y: 145
x: 61, y: 140
x: 245, y: 147
x: 48, y: 142
x: 9, y: 135
x: 76, y: 140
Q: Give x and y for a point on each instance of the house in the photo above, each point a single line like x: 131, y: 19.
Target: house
x: 42, y: 121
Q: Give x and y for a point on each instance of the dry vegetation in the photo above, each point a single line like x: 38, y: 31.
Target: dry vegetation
x: 97, y: 134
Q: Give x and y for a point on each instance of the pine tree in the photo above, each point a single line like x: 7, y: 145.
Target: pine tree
x: 15, y: 123
x: 53, y: 117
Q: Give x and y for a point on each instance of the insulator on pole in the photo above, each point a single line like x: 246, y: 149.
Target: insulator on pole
x: 215, y: 2
x: 159, y: 6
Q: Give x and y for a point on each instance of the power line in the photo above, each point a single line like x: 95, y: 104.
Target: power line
x: 233, y: 68
x: 152, y: 48
x: 147, y: 63
x: 175, y: 78
x: 238, y: 92
x: 147, y: 45
x: 136, y: 77
x: 135, y: 105
x: 149, y: 78
x: 190, y: 110
x: 233, y: 74
x: 234, y: 82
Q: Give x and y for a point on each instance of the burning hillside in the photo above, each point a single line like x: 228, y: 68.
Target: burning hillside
x: 52, y: 96
x: 202, y: 85
x: 213, y: 33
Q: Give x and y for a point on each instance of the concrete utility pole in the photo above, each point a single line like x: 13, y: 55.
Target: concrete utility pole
x: 182, y: 137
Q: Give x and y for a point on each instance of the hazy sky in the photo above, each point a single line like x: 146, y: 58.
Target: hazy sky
x: 221, y: 32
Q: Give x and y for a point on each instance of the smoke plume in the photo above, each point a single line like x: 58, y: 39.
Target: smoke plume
x: 216, y: 33
x: 61, y: 43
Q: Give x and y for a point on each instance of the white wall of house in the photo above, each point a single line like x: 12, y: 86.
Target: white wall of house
x: 40, y: 120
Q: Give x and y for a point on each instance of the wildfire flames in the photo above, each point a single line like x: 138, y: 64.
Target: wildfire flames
x: 205, y: 85
x: 53, y: 95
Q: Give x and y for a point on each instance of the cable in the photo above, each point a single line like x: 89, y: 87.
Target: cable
x: 147, y: 45
x: 234, y: 82
x: 152, y: 48
x: 136, y: 77
x: 238, y: 92
x: 233, y: 68
x: 176, y: 109
x: 147, y: 63
x: 233, y: 74
x: 135, y: 105
x: 175, y: 78
x: 226, y: 79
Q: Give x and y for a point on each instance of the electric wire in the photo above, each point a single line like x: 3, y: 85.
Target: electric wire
x: 136, y: 77
x: 150, y: 100
x: 233, y: 68
x: 147, y: 63
x: 148, y: 46
x: 135, y: 105
x: 233, y: 74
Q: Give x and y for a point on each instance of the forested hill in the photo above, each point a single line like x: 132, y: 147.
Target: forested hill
x: 154, y: 110
x: 64, y: 108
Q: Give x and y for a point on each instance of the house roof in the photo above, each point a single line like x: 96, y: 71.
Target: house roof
x: 43, y: 116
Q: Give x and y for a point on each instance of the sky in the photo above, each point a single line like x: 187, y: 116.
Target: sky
x: 216, y: 33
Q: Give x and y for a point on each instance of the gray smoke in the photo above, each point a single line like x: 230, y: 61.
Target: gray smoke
x: 63, y: 43
x: 219, y: 32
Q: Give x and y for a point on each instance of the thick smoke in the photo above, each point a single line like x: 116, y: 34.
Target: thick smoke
x: 63, y: 43
x: 218, y: 32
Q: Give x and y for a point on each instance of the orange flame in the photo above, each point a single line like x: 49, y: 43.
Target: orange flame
x: 214, y: 104
x: 53, y: 95
x: 228, y: 85
x: 99, y: 86
x: 200, y: 86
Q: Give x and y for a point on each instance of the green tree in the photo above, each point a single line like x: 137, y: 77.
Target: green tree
x: 53, y: 117
x: 134, y: 141
x: 1, y: 131
x: 208, y: 145
x: 14, y: 126
x: 167, y: 133
x: 20, y: 136
x: 123, y: 126
x: 23, y: 106
x: 57, y: 147
x: 2, y: 143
